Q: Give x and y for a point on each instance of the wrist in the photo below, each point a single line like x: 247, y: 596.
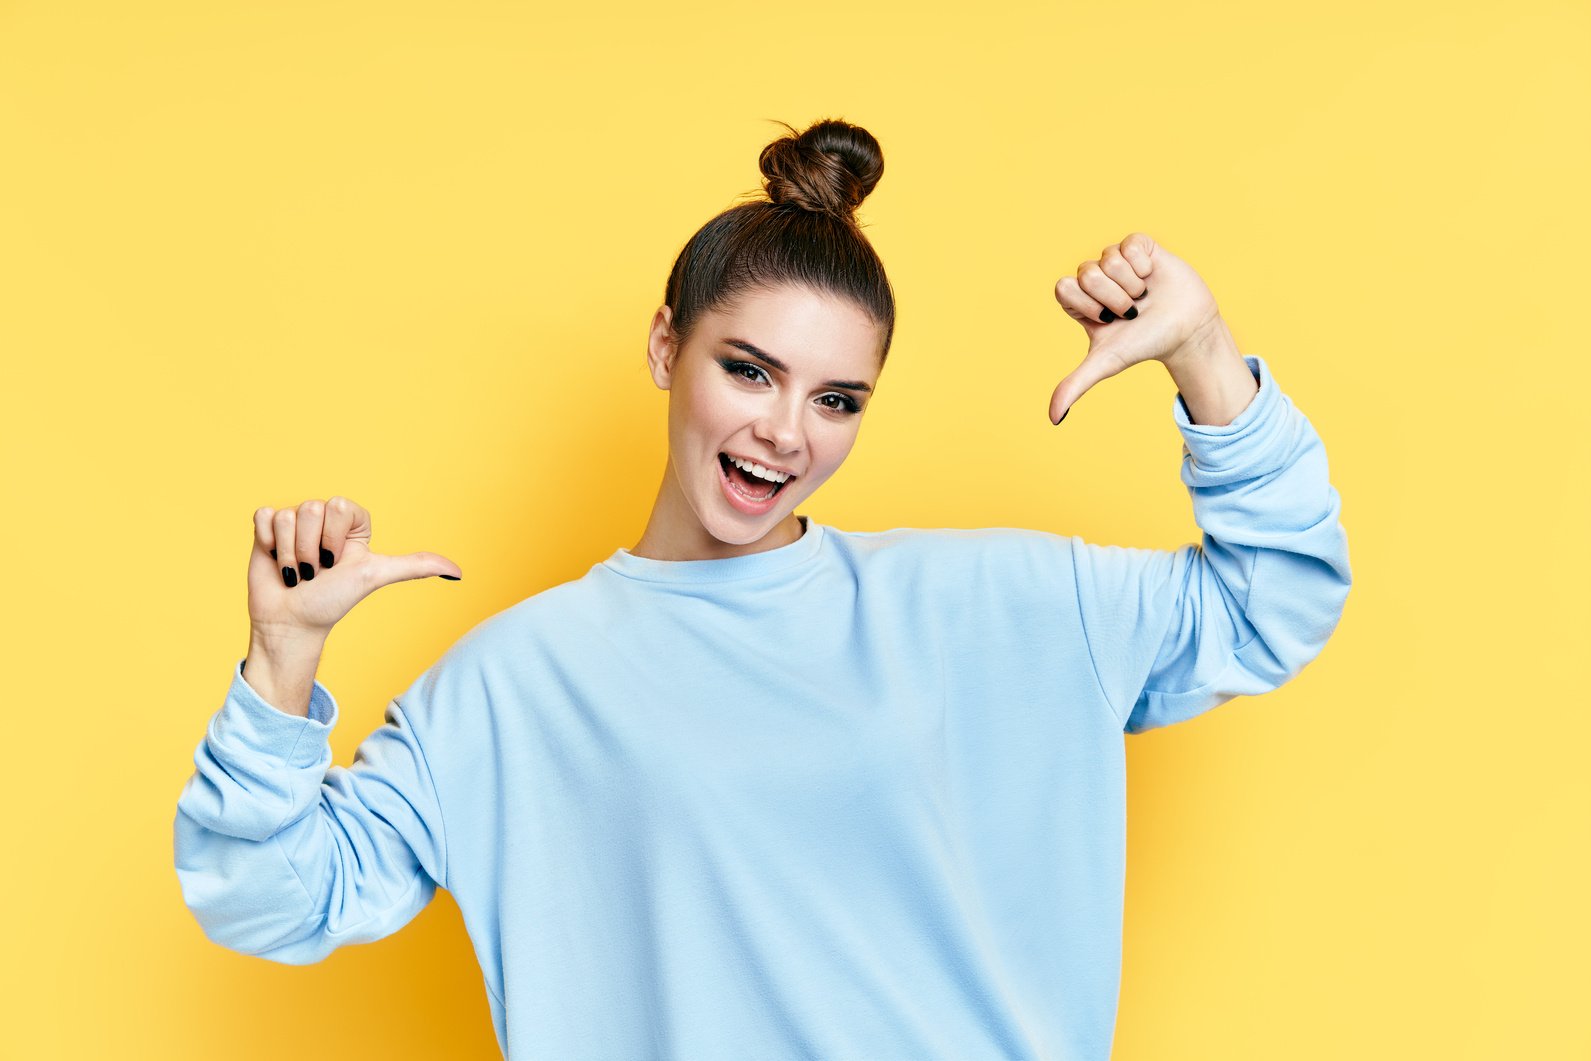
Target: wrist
x: 283, y: 645
x: 1212, y: 341
x: 1213, y: 378
x: 280, y: 668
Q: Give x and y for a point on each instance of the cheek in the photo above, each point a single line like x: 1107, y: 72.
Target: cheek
x: 694, y: 411
x: 716, y: 413
x: 829, y: 452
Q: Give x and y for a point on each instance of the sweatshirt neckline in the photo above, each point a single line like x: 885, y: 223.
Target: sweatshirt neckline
x: 723, y: 568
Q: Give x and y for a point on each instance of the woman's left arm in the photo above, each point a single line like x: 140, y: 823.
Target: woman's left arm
x: 1174, y: 633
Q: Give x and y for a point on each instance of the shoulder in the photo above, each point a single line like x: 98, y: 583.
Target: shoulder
x: 557, y: 613
x: 484, y: 670
x: 987, y: 551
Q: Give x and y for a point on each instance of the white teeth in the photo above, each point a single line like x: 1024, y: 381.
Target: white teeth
x: 758, y: 470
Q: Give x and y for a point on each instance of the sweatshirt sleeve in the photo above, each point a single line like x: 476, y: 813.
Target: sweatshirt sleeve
x: 282, y: 855
x: 1175, y: 633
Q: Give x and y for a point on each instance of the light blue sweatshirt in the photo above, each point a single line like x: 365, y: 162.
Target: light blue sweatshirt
x: 861, y: 796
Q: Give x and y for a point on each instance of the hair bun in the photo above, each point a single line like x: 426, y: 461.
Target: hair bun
x: 828, y: 169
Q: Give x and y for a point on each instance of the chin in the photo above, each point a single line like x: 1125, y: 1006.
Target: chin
x: 744, y: 530
x: 738, y: 528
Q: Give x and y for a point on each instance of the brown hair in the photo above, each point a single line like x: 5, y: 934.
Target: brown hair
x: 805, y: 232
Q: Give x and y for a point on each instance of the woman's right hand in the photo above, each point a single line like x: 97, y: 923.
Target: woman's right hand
x: 312, y: 563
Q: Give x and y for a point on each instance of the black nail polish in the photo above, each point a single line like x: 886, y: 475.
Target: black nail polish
x: 290, y: 577
x: 1106, y: 316
x: 325, y: 557
x: 273, y: 554
x: 306, y: 570
x: 1130, y: 314
x: 450, y: 578
x: 1064, y: 415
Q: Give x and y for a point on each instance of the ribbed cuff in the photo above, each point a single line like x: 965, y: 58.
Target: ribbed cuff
x: 1250, y: 445
x: 247, y: 721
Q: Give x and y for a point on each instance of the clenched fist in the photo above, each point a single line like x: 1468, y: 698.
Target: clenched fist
x: 312, y: 563
x: 1110, y: 298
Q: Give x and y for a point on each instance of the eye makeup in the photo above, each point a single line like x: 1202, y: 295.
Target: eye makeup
x: 847, y: 403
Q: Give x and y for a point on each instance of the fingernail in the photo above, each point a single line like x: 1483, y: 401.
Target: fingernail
x: 450, y: 578
x: 306, y: 569
x: 1130, y: 314
x: 1064, y: 415
x: 1105, y: 317
x: 325, y: 557
x: 290, y: 577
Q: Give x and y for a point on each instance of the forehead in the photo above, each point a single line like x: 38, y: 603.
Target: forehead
x: 804, y: 328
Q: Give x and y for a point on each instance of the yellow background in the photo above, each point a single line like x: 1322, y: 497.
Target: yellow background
x: 255, y: 253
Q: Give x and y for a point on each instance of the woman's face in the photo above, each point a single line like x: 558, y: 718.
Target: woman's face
x: 781, y: 380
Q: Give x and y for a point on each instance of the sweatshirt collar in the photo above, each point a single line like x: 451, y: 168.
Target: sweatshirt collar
x: 721, y: 569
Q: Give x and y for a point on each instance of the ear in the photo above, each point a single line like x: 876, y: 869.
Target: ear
x: 661, y: 349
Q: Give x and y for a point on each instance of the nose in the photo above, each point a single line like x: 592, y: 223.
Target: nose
x: 781, y: 428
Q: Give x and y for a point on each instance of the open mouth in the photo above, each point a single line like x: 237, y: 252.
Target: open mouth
x: 747, y: 485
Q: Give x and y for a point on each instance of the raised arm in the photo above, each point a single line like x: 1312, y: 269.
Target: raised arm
x: 1175, y: 633
x: 279, y: 853
x: 283, y: 855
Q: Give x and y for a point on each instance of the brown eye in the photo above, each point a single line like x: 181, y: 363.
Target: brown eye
x: 734, y: 368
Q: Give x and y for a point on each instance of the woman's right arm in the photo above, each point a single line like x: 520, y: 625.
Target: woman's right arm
x: 279, y: 853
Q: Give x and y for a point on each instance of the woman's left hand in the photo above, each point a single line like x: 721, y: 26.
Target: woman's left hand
x: 1118, y: 283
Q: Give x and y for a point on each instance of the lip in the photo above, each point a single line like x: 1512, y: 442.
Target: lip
x: 739, y: 501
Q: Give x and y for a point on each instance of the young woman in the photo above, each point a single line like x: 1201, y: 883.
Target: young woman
x: 758, y: 787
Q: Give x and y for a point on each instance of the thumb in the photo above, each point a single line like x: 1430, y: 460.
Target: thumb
x: 1076, y: 384
x: 385, y: 570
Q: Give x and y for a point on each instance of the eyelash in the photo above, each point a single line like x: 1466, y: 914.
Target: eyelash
x: 734, y: 367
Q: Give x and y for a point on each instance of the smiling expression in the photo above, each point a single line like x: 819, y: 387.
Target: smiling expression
x: 781, y: 379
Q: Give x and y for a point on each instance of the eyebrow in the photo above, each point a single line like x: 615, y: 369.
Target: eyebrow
x: 763, y: 355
